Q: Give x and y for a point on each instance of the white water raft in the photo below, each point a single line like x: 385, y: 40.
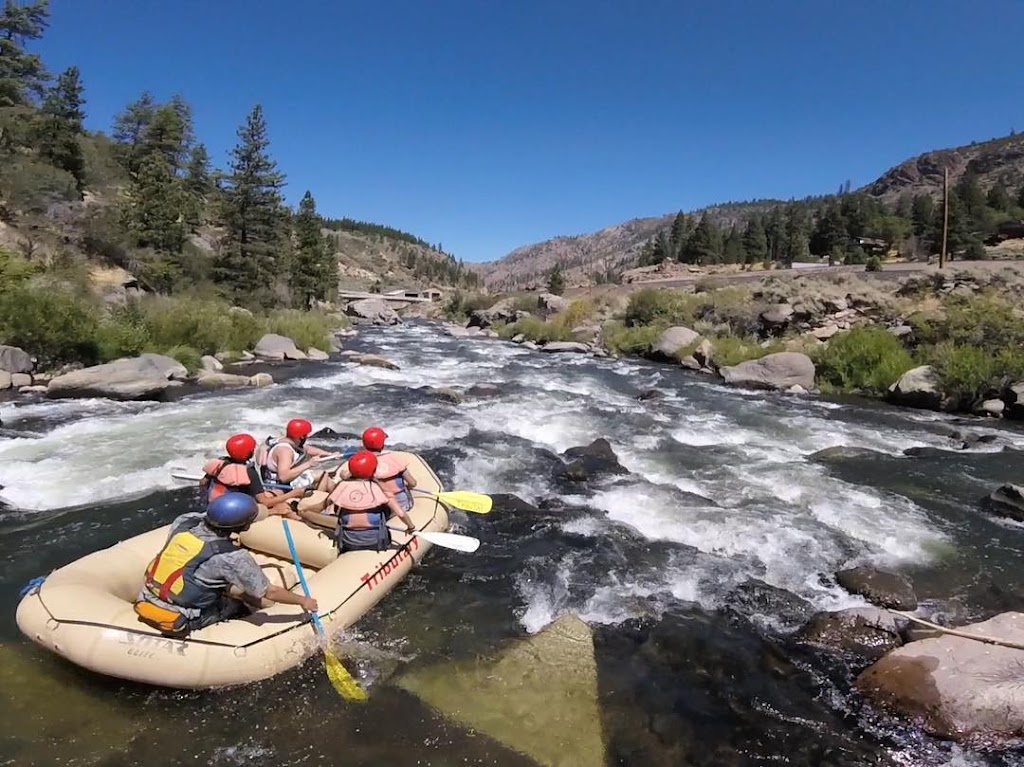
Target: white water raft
x: 83, y: 611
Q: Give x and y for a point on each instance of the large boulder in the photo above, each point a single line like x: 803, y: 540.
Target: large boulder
x: 211, y: 364
x: 6, y: 381
x: 776, y: 318
x: 1007, y: 501
x: 316, y: 354
x: 373, y: 310
x: 145, y: 377
x: 879, y: 587
x: 212, y: 380
x: 15, y: 360
x: 957, y: 688
x: 586, y: 462
x: 919, y: 387
x: 865, y: 632
x: 549, y: 303
x: 503, y: 311
x: 781, y: 371
x: 1013, y: 398
x: 276, y: 348
x: 261, y: 380
x: 672, y: 340
x: 565, y: 346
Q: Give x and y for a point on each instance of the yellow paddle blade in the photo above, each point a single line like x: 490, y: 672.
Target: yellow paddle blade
x: 478, y: 503
x: 347, y: 687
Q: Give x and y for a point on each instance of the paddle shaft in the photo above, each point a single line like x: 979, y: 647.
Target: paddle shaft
x: 302, y: 577
x: 444, y: 540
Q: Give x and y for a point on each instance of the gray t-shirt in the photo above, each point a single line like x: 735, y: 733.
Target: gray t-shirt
x: 236, y: 568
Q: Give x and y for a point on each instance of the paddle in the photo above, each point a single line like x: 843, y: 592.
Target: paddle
x: 185, y: 475
x: 478, y: 503
x: 343, y: 682
x: 466, y: 543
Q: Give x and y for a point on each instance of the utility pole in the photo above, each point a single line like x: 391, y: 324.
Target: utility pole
x: 945, y: 217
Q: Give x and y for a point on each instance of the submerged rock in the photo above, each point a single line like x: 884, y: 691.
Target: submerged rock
x: 1007, y: 501
x: 956, y: 688
x: 650, y: 394
x: 484, y: 390
x: 596, y: 458
x: 866, y: 632
x: 538, y: 697
x: 371, y: 360
x: 843, y: 453
x: 754, y: 598
x: 448, y: 395
x: 879, y: 587
x: 565, y: 346
x: 778, y: 371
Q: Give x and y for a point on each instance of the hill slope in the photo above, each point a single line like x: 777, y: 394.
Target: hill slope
x: 619, y: 247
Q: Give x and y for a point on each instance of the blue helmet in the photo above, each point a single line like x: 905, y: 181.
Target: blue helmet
x: 232, y: 510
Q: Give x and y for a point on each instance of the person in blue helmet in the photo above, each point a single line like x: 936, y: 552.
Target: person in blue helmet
x: 202, y: 577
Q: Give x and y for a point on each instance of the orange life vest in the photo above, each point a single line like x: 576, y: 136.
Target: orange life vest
x: 390, y: 469
x: 361, y: 504
x: 222, y: 475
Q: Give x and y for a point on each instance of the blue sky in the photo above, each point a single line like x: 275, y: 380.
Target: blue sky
x: 487, y: 124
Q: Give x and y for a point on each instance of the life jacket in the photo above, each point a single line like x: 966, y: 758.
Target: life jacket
x: 223, y: 474
x: 171, y: 575
x: 361, y: 505
x: 390, y: 469
x: 268, y: 463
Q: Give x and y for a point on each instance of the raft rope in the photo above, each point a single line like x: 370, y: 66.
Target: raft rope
x: 32, y: 585
x: 961, y: 634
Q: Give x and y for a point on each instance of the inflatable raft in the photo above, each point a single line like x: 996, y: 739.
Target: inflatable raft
x: 83, y: 611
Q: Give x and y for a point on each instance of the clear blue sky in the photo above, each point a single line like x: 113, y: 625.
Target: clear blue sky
x: 489, y: 124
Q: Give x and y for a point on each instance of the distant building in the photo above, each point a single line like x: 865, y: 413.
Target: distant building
x: 429, y: 294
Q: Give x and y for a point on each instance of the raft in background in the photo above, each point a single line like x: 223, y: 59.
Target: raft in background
x: 83, y: 611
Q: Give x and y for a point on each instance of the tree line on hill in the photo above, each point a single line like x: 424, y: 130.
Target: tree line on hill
x: 167, y: 197
x: 844, y: 228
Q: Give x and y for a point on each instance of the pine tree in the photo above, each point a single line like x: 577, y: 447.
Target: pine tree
x: 733, y: 252
x: 153, y: 215
x: 60, y: 126
x: 905, y: 206
x: 556, y: 280
x: 168, y: 135
x: 973, y: 199
x: 755, y: 241
x: 923, y: 214
x: 1020, y: 197
x: 22, y: 74
x: 796, y: 248
x: 252, y: 215
x: 130, y: 128
x: 829, y: 233
x: 682, y: 227
x: 198, y: 184
x: 314, y: 272
x: 705, y: 244
x: 998, y: 198
x: 775, y: 230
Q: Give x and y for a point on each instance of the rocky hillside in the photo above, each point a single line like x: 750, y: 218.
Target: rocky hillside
x: 584, y: 258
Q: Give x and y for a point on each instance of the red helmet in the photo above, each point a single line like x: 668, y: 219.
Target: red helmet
x: 241, y: 447
x: 298, y: 428
x: 373, y: 438
x: 362, y: 465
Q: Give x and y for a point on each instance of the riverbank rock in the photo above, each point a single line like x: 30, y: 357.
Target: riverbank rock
x: 502, y: 311
x: 776, y: 318
x: 565, y: 346
x: 671, y: 341
x: 18, y: 380
x: 538, y: 697
x: 866, y: 632
x: 993, y: 408
x: 5, y: 380
x: 756, y: 600
x: 956, y: 688
x: 549, y: 303
x: 211, y: 364
x: 213, y: 380
x: 276, y: 348
x: 879, y: 587
x: 315, y: 354
x: 15, y: 360
x: 1007, y: 501
x: 374, y: 310
x: 778, y: 371
x: 261, y: 380
x: 1013, y: 398
x: 147, y: 376
x: 919, y: 387
x: 587, y: 462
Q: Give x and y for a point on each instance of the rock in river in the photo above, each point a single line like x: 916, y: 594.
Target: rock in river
x: 773, y: 371
x: 860, y: 631
x: 879, y: 587
x: 147, y: 376
x: 1007, y: 501
x: 596, y: 458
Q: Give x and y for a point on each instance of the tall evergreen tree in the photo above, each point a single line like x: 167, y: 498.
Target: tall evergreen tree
x: 905, y: 206
x: 247, y: 264
x: 733, y: 252
x: 705, y: 244
x: 59, y: 126
x: 796, y: 235
x: 755, y: 241
x: 168, y: 135
x: 829, y: 233
x: 556, y: 280
x: 972, y: 197
x: 153, y: 214
x: 198, y: 184
x: 682, y: 227
x: 998, y: 198
x: 314, y: 272
x: 923, y: 214
x: 22, y: 74
x: 130, y: 127
x: 775, y: 230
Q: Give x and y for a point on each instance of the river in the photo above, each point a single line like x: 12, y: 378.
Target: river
x: 690, y: 569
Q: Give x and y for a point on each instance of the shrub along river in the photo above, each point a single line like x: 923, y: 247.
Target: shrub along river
x: 692, y: 567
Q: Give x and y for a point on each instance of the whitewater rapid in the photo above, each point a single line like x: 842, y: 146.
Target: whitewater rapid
x: 720, y: 474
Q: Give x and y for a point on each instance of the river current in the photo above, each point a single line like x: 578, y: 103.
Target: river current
x: 693, y: 569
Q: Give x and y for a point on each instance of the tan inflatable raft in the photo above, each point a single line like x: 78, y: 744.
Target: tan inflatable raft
x: 83, y: 611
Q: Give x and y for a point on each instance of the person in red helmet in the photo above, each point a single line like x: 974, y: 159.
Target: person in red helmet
x: 392, y: 470
x: 234, y: 472
x: 362, y: 506
x: 282, y: 461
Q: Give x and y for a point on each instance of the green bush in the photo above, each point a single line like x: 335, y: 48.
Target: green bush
x: 536, y: 329
x: 873, y: 264
x: 636, y: 340
x: 14, y: 269
x: 308, y: 329
x: 970, y: 374
x: 461, y: 305
x: 51, y: 323
x: 122, y: 334
x: 187, y: 356
x: 652, y: 306
x: 986, y: 322
x: 732, y: 350
x: 864, y: 359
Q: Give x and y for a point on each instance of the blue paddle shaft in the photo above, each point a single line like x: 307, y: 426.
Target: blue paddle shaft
x: 302, y: 578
